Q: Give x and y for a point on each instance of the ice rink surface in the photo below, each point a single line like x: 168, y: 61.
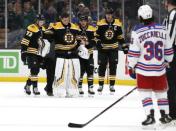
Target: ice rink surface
x: 19, y: 112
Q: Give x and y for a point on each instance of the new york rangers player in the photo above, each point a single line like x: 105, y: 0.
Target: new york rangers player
x: 148, y: 57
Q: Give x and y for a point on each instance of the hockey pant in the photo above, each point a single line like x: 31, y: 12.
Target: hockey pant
x: 87, y: 66
x: 67, y: 73
x: 105, y: 57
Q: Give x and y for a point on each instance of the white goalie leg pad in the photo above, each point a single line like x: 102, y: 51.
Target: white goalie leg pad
x: 73, y: 78
x: 60, y: 77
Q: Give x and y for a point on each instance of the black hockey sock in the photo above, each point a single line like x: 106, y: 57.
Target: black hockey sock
x: 112, y: 82
x: 90, y: 81
x: 80, y: 82
x: 28, y: 82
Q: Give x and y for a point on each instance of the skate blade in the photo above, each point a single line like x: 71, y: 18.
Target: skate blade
x: 149, y: 127
x: 100, y: 93
x: 81, y: 95
x: 90, y: 95
x: 112, y: 93
x: 163, y: 126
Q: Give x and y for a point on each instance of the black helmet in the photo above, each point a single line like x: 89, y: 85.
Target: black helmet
x: 40, y: 17
x: 173, y: 2
x: 83, y: 17
x: 109, y: 11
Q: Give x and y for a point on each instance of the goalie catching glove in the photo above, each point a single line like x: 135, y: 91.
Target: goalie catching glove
x: 83, y: 52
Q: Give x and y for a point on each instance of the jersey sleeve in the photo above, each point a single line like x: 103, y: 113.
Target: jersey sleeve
x: 26, y: 40
x: 134, y: 51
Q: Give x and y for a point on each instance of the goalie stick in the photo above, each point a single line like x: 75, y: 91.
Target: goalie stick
x: 75, y: 125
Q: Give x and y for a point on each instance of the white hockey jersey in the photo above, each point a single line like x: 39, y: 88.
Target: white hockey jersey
x: 149, y: 50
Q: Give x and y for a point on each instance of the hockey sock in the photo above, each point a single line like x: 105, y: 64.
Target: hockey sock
x: 90, y: 81
x: 101, y: 80
x: 80, y: 82
x: 112, y: 80
x: 28, y: 82
x: 147, y: 101
x: 162, y: 101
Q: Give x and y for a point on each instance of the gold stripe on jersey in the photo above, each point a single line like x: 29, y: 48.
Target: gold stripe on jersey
x: 108, y: 46
x: 34, y: 28
x: 103, y: 22
x: 32, y: 50
x: 64, y: 47
x: 25, y: 42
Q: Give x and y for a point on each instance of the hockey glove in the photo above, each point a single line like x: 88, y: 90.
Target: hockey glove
x: 132, y: 73
x: 125, y: 48
x: 24, y: 57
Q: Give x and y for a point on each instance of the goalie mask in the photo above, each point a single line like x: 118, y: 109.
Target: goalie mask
x: 145, y: 12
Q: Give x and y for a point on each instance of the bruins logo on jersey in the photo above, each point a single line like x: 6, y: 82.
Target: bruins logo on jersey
x: 109, y: 34
x: 68, y: 38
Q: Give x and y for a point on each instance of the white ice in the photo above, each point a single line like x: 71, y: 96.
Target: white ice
x: 19, y: 112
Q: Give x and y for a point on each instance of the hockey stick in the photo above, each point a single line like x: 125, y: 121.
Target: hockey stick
x: 74, y: 125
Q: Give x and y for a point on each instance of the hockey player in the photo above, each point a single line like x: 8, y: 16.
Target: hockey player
x: 109, y: 35
x: 87, y: 65
x: 171, y: 71
x: 32, y: 46
x: 148, y: 56
x: 67, y: 49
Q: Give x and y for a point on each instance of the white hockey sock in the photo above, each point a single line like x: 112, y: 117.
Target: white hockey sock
x: 146, y: 101
x: 162, y: 101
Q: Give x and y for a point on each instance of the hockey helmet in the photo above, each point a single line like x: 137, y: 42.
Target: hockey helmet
x: 109, y: 11
x: 83, y: 17
x: 145, y: 12
x: 40, y: 17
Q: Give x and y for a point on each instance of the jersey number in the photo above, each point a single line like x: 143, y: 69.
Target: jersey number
x: 154, y: 50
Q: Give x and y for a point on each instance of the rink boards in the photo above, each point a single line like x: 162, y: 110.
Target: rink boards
x: 13, y: 70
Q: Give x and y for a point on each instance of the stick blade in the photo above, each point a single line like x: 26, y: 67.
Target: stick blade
x: 74, y: 125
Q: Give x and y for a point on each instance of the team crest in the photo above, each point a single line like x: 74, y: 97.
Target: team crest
x: 109, y: 34
x: 68, y: 38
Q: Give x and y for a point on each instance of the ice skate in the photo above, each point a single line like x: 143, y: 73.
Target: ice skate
x: 36, y: 91
x: 149, y: 123
x: 112, y: 90
x: 100, y: 89
x: 27, y: 89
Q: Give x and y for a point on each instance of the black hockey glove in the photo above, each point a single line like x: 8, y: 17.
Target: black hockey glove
x: 125, y: 48
x: 99, y: 45
x: 24, y: 57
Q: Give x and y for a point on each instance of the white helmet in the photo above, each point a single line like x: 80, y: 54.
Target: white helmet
x: 145, y: 11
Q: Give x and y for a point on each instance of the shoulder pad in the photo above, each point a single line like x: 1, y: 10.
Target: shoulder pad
x: 101, y: 22
x: 91, y: 28
x: 33, y: 28
x: 56, y: 25
x: 117, y: 22
x: 74, y: 26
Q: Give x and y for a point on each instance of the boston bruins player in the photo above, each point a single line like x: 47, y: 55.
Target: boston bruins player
x: 87, y: 65
x: 109, y: 35
x: 32, y: 46
x: 67, y: 49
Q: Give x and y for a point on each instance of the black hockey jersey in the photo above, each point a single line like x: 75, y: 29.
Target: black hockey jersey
x: 110, y: 34
x: 64, y: 39
x: 29, y: 43
x: 88, y: 35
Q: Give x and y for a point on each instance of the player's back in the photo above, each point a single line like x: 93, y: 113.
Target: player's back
x: 151, y: 41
